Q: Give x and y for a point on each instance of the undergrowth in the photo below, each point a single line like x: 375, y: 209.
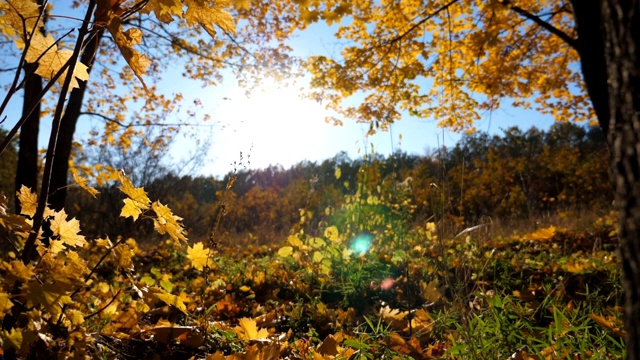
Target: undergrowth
x: 367, y: 285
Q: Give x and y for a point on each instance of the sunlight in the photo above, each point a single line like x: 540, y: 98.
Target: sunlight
x: 273, y: 126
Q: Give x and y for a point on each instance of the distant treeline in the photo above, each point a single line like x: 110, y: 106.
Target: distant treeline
x: 515, y: 175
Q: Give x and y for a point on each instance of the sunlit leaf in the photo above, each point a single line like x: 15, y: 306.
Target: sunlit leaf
x: 50, y: 60
x: 198, y: 256
x: 83, y: 183
x: 167, y: 223
x: 294, y: 240
x: 28, y: 201
x: 248, y: 330
x: 67, y: 231
x: 285, y: 251
x: 5, y: 303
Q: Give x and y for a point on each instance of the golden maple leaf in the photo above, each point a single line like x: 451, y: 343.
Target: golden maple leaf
x: 248, y: 330
x: 50, y: 59
x: 164, y: 10
x: 51, y: 296
x: 125, y: 40
x: 67, y: 230
x: 18, y: 15
x: 207, y: 15
x: 167, y: 223
x: 82, y: 182
x: 158, y: 293
x: 5, y: 303
x: 137, y: 201
x: 12, y: 339
x: 198, y: 256
x: 16, y: 269
x: 28, y: 201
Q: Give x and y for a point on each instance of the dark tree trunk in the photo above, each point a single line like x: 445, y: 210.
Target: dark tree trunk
x: 609, y: 32
x: 591, y: 46
x: 59, y: 175
x: 27, y: 168
x: 621, y: 19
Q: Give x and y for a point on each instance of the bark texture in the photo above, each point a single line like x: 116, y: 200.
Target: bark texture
x: 621, y: 20
x: 27, y: 167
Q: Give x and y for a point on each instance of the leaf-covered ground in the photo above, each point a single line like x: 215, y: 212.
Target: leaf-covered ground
x: 551, y: 294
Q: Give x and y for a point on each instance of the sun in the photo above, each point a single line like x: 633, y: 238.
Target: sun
x: 275, y: 125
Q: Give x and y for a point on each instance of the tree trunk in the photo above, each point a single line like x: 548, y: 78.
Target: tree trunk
x: 27, y: 168
x: 59, y: 175
x: 609, y: 48
x: 591, y: 47
x: 621, y: 20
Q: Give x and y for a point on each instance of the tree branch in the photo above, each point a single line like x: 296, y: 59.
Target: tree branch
x: 422, y: 21
x: 543, y: 24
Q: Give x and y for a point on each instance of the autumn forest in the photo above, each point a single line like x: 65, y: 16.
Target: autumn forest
x: 520, y: 244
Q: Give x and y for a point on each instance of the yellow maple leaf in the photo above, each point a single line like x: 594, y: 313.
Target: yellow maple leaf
x: 164, y: 10
x: 51, y: 296
x: 198, y: 256
x: 18, y: 270
x: 55, y: 246
x: 167, y: 223
x: 125, y: 40
x: 67, y: 230
x: 50, y: 59
x: 543, y: 234
x: 28, y: 201
x: 207, y: 15
x: 12, y: 339
x: 248, y: 330
x: 131, y: 208
x: 82, y: 182
x: 5, y: 303
x: 17, y: 15
x: 430, y: 292
x: 242, y: 4
x: 169, y: 299
x: 137, y: 201
x: 13, y: 223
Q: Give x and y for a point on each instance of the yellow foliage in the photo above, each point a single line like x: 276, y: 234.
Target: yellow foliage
x: 198, y: 256
x: 5, y: 303
x: 83, y: 183
x: 67, y: 231
x: 51, y: 296
x: 248, y: 330
x: 50, y: 59
x: 28, y: 201
x: 471, y: 54
x: 167, y: 223
x: 285, y: 251
x: 137, y: 201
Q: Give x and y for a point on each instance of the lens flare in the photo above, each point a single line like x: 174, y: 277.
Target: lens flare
x: 387, y: 283
x: 361, y: 243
